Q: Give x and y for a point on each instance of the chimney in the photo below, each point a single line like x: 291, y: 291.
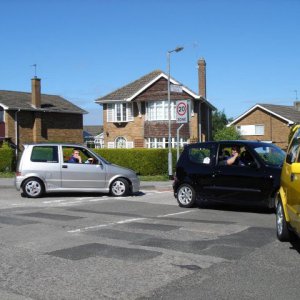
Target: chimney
x: 202, y: 77
x: 297, y: 105
x: 36, y: 92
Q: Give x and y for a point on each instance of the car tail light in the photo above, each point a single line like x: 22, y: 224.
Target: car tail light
x: 18, y: 174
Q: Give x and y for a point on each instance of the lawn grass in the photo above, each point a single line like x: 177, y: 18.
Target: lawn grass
x: 154, y: 178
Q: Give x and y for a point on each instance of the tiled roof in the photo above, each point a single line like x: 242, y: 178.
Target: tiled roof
x: 51, y: 103
x: 92, y: 130
x: 288, y: 112
x: 130, y: 89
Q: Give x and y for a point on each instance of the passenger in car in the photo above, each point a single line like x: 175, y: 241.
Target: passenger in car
x: 75, y: 158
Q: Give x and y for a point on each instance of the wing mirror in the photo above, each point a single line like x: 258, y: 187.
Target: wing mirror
x: 288, y: 158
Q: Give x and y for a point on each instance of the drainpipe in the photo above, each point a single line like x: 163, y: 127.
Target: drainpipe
x: 16, y: 133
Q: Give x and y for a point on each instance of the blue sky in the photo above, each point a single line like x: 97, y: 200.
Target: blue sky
x: 85, y: 49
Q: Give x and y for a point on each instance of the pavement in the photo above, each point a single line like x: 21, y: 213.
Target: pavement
x: 145, y: 185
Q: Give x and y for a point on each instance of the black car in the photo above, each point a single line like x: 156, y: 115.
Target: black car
x: 203, y: 173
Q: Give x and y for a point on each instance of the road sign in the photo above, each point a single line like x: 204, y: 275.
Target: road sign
x: 176, y: 88
x: 181, y: 111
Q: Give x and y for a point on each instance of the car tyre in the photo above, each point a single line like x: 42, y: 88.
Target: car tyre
x: 186, y: 196
x: 119, y: 187
x: 283, y: 233
x: 33, y: 188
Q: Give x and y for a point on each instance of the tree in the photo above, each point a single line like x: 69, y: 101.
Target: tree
x: 219, y: 121
x: 227, y: 133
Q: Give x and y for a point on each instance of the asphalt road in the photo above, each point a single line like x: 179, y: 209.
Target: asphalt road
x: 92, y: 246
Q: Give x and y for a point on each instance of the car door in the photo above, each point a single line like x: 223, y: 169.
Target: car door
x: 290, y: 181
x: 239, y: 183
x: 82, y: 175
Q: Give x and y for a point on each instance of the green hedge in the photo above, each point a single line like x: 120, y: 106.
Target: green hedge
x: 142, y: 161
x: 7, y: 159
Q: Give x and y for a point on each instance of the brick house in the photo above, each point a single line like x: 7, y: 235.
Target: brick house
x: 35, y: 117
x: 268, y: 122
x: 136, y: 115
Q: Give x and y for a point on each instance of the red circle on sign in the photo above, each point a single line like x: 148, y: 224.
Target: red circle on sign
x: 183, y: 112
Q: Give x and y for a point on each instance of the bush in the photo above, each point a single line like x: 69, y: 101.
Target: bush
x: 7, y: 159
x: 143, y: 161
x: 227, y: 133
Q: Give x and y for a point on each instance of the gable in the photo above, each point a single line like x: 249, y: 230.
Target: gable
x: 259, y: 116
x: 266, y: 111
x: 159, y: 91
x: 134, y: 89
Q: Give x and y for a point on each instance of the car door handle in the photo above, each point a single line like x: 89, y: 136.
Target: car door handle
x: 64, y: 166
x: 218, y: 172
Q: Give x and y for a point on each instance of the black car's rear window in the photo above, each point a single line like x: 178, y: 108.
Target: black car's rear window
x: 200, y: 155
x: 47, y: 154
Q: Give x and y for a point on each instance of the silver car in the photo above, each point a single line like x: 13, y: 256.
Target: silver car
x: 45, y: 168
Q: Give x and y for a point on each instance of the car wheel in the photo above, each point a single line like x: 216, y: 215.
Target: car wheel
x: 283, y: 233
x: 119, y: 187
x: 186, y: 196
x: 33, y: 188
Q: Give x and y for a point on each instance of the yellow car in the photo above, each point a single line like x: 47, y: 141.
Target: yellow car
x: 288, y: 199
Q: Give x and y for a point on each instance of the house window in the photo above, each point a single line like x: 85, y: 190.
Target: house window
x: 119, y: 112
x: 158, y: 110
x: 1, y: 116
x: 163, y: 142
x: 251, y: 129
x: 120, y: 142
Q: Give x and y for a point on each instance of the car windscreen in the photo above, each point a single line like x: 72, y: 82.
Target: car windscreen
x: 270, y: 154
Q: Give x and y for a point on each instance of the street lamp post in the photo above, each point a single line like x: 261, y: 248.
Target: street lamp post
x: 169, y: 113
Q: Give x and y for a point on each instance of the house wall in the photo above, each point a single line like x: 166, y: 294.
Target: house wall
x: 132, y: 131
x: 276, y: 130
x: 45, y: 127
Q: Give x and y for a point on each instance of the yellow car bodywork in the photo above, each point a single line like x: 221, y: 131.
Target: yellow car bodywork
x: 288, y: 200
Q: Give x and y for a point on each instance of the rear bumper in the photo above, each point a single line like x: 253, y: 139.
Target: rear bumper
x: 18, y: 182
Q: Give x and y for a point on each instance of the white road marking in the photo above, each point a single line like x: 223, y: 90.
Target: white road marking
x: 53, y: 201
x: 122, y: 222
x: 179, y: 213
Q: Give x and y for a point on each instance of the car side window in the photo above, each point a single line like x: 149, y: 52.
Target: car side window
x: 293, y: 152
x: 47, y: 154
x: 86, y: 157
x: 200, y: 155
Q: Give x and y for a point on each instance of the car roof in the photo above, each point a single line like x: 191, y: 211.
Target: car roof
x: 54, y: 144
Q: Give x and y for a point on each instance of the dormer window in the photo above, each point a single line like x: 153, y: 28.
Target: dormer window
x: 119, y: 112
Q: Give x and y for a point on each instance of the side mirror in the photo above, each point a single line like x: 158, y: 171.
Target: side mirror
x: 288, y: 158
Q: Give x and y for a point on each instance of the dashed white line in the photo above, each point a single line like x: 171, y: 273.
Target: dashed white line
x: 122, y: 222
x: 179, y: 213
